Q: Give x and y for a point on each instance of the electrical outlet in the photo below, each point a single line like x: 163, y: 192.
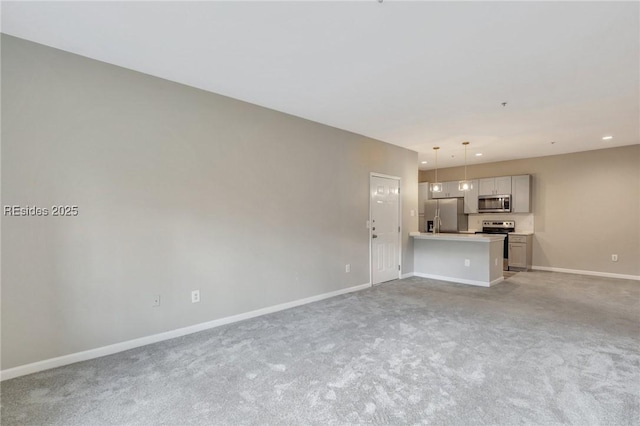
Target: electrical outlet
x: 156, y: 301
x: 614, y: 257
x: 467, y: 262
x: 195, y: 296
x: 347, y: 268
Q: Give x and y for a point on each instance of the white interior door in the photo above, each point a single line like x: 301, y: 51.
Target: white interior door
x: 385, y: 229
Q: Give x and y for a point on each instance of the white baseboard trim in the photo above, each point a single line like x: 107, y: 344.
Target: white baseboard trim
x: 496, y: 281
x: 409, y: 275
x: 60, y: 361
x: 459, y: 280
x: 592, y: 273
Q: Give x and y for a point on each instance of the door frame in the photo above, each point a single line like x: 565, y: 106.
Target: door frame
x: 382, y: 175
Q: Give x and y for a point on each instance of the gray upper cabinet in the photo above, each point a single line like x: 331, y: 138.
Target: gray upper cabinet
x: 452, y: 189
x: 471, y: 198
x: 521, y: 196
x: 486, y: 186
x: 519, y: 187
x: 437, y: 195
x: 495, y: 186
x: 423, y: 195
x: 449, y: 190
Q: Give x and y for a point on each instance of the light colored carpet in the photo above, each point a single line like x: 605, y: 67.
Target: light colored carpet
x: 509, y: 274
x: 539, y: 348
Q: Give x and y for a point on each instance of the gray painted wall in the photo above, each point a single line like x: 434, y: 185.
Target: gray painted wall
x: 586, y: 206
x: 178, y: 189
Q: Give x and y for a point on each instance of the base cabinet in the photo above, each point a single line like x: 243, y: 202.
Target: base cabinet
x: 517, y: 255
x: 520, y: 252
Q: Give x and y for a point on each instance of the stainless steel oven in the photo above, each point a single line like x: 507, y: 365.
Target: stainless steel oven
x: 494, y: 203
x: 500, y: 227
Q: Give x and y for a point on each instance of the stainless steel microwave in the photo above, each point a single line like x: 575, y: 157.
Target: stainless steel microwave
x: 494, y: 204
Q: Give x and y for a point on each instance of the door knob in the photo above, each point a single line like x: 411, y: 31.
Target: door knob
x: 374, y: 236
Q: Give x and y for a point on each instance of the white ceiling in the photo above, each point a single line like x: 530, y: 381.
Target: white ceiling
x: 414, y: 74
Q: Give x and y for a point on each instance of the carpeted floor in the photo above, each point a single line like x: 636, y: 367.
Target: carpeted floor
x: 539, y: 348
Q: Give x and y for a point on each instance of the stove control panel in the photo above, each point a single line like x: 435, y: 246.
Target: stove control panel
x: 499, y: 224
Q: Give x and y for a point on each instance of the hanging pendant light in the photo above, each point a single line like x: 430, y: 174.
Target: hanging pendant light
x: 465, y: 185
x: 436, y: 186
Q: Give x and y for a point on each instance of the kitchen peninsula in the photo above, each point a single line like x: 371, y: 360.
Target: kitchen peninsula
x: 474, y: 259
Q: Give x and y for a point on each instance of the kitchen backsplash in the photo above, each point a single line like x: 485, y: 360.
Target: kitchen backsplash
x: 524, y: 221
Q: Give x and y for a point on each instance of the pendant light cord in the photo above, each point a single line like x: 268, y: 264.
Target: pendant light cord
x: 436, y: 148
x: 465, y: 159
x: 465, y: 162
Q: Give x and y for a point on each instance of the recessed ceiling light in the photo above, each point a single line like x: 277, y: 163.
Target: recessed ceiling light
x: 423, y: 162
x: 606, y: 138
x: 478, y: 154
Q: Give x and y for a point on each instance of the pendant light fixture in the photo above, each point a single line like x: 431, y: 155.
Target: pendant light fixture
x: 436, y: 186
x: 465, y: 185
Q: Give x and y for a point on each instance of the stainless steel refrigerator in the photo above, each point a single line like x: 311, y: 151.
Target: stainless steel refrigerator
x: 452, y: 217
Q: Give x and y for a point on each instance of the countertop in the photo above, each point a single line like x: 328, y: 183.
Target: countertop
x: 480, y: 238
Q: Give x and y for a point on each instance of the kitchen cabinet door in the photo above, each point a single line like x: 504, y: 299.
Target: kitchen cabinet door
x: 521, y: 197
x: 486, y: 186
x: 520, y: 251
x: 503, y: 185
x: 452, y: 190
x: 471, y: 198
x: 518, y: 255
x: 423, y: 195
x: 437, y: 195
x: 449, y: 190
x: 495, y: 186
